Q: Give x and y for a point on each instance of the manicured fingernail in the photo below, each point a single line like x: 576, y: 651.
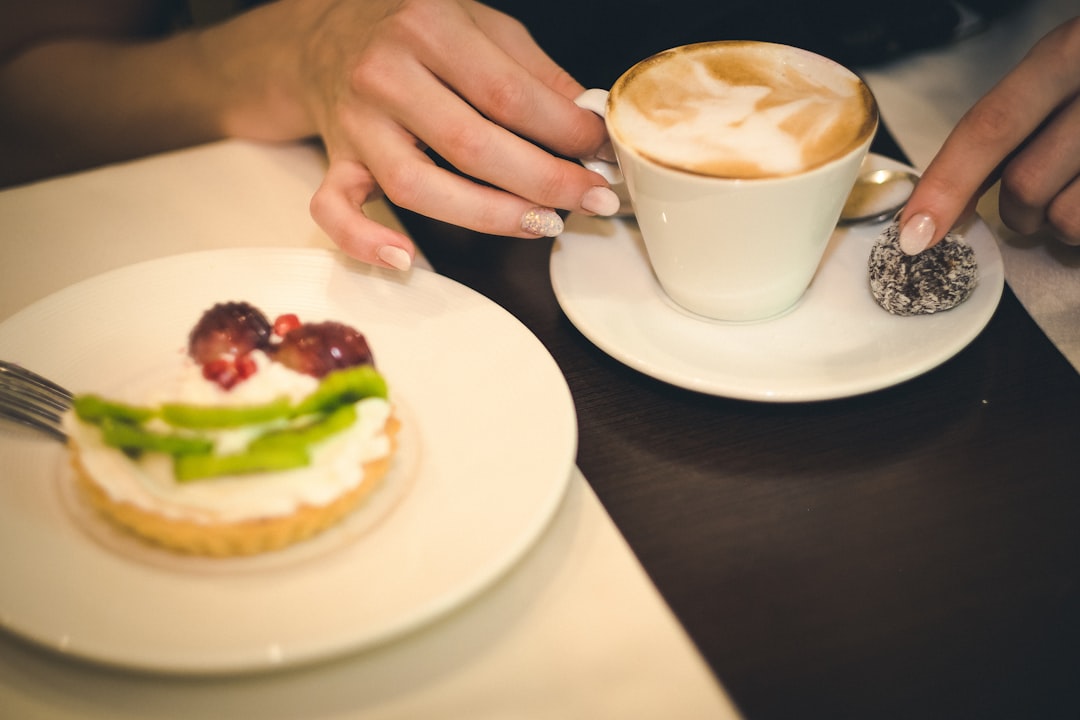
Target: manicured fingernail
x: 544, y: 222
x: 395, y: 257
x: 917, y: 233
x: 600, y: 200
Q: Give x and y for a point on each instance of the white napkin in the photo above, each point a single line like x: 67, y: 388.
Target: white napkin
x: 225, y: 194
x: 1045, y: 274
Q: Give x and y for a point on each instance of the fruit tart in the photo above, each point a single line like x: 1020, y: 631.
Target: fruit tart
x: 269, y: 434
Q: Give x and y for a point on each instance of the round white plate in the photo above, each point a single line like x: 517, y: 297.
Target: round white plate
x: 836, y: 342
x: 489, y: 440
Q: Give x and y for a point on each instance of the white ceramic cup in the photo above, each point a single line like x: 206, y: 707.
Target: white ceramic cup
x: 731, y: 245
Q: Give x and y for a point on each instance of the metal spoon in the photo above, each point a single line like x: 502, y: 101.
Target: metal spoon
x: 877, y: 196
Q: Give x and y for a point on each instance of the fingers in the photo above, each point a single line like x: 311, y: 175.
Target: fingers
x: 469, y: 83
x: 411, y: 98
x: 514, y: 101
x: 1063, y: 215
x: 521, y: 87
x: 412, y: 181
x: 480, y: 149
x: 337, y: 208
x: 986, y: 138
x: 1039, y: 186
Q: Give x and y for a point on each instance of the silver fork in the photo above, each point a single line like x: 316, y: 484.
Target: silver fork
x: 30, y: 399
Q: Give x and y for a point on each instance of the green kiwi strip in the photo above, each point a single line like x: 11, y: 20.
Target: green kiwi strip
x: 207, y: 417
x: 308, y: 433
x: 188, y: 468
x: 94, y: 409
x: 332, y: 403
x: 343, y: 387
x: 133, y: 438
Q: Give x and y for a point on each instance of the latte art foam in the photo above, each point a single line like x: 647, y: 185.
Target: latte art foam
x: 742, y: 110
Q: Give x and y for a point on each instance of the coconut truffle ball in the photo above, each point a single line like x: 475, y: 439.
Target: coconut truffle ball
x: 937, y: 279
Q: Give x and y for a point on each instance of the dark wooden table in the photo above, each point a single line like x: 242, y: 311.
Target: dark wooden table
x: 910, y: 553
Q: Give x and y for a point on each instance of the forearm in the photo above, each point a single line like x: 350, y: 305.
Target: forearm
x: 75, y: 103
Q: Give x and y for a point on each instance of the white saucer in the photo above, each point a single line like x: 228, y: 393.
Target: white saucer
x: 836, y: 342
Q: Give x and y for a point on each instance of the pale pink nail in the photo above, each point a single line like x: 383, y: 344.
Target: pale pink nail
x: 395, y: 257
x: 917, y: 233
x: 600, y: 200
x: 544, y: 222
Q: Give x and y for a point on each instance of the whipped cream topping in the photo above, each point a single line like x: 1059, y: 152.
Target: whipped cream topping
x: 270, y: 381
x: 148, y: 481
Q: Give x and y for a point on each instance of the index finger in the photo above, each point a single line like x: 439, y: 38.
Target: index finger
x: 995, y: 127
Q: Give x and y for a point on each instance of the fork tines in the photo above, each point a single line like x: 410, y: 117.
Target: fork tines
x: 31, y: 399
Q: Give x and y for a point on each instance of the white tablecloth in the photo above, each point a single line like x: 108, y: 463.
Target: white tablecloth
x: 574, y: 630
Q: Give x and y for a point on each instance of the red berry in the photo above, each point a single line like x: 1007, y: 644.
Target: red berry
x: 284, y: 323
x: 222, y: 371
x: 245, y: 367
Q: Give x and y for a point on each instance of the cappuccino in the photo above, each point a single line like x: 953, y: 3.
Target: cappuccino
x: 740, y: 110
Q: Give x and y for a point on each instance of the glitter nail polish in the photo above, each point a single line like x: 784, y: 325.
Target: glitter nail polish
x: 544, y: 222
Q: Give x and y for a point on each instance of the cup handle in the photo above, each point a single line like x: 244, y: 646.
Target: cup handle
x: 595, y: 100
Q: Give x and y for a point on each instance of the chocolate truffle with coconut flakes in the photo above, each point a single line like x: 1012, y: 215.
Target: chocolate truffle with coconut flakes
x: 937, y: 279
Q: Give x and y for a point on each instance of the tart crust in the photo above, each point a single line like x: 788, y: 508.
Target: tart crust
x: 232, y: 539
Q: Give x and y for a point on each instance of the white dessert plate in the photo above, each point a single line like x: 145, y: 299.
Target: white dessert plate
x: 488, y: 447
x: 836, y: 342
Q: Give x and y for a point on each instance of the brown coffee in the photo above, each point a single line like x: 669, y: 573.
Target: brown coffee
x: 741, y: 109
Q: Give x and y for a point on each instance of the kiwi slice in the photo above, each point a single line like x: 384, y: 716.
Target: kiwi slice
x: 343, y: 387
x: 136, y: 440
x: 207, y: 417
x: 200, y: 467
x: 94, y: 409
x: 308, y: 433
x: 328, y: 410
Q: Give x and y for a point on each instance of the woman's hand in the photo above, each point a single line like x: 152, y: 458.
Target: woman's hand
x: 381, y: 81
x: 387, y: 79
x: 1026, y: 131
